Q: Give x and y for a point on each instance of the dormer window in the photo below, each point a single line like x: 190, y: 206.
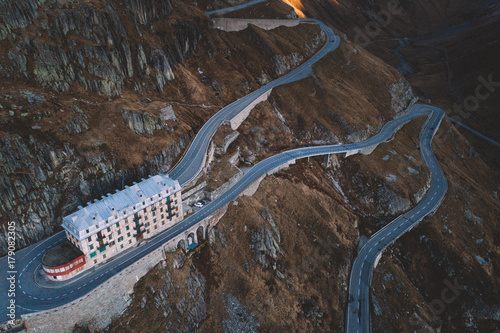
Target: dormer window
x: 87, y: 230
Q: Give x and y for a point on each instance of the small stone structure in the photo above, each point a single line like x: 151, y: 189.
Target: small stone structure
x: 236, y: 24
x: 236, y: 121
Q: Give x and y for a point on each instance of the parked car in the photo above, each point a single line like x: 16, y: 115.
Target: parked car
x: 198, y: 204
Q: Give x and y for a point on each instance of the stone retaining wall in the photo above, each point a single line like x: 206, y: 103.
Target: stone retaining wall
x: 234, y: 24
x: 236, y: 121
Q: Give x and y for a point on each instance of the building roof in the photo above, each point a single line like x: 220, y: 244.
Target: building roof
x: 61, y: 254
x: 119, y: 204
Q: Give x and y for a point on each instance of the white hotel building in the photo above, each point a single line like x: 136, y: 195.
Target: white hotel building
x: 120, y: 220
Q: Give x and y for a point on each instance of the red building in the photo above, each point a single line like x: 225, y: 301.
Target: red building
x: 63, y: 261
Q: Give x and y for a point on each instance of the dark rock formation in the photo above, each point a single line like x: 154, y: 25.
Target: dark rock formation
x: 92, y: 44
x: 41, y: 182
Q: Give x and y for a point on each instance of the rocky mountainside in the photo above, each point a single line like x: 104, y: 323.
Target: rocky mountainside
x: 98, y: 94
x: 281, y: 258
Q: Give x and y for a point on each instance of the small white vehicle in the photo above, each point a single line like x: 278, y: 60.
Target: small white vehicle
x: 199, y: 204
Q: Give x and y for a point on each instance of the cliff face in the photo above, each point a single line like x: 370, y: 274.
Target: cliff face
x: 98, y: 94
x: 282, y: 257
x: 99, y: 46
x: 58, y: 48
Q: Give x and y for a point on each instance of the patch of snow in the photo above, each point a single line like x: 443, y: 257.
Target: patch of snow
x: 481, y: 261
x: 385, y: 158
x: 391, y: 178
x: 413, y: 171
x: 472, y: 217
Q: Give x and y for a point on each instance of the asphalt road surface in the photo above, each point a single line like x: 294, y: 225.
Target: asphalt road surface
x: 358, y: 310
x: 33, y: 297
x: 193, y: 159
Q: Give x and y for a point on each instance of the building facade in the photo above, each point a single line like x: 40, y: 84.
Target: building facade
x: 121, y: 220
x: 63, y: 261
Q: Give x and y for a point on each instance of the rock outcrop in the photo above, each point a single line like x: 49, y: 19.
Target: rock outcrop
x: 41, y: 182
x: 265, y: 242
x: 93, y: 45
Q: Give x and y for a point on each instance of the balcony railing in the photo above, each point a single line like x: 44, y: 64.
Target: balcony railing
x: 138, y: 233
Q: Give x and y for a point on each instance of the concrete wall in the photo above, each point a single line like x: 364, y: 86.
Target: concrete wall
x: 224, y: 187
x: 111, y: 298
x: 368, y: 150
x: 231, y: 24
x: 235, y: 158
x: 252, y: 188
x: 227, y: 141
x: 236, y: 121
x: 353, y: 152
x: 193, y: 190
x: 280, y: 167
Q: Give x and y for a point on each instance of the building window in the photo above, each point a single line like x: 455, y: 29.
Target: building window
x: 128, y: 234
x: 87, y: 230
x: 161, y: 210
x: 95, y: 261
x: 156, y: 227
x: 120, y: 238
x: 154, y: 213
x: 92, y: 254
x: 130, y: 241
x: 162, y: 222
x: 154, y: 220
x: 145, y: 209
x: 126, y: 228
x: 102, y: 249
x: 109, y: 229
x: 146, y: 217
x: 120, y: 232
x: 91, y: 247
x: 110, y: 236
x: 117, y: 225
x: 147, y: 224
x: 121, y: 246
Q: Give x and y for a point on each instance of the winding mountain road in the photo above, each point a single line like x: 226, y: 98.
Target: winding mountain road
x: 32, y: 297
x: 193, y: 159
x: 358, y: 311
